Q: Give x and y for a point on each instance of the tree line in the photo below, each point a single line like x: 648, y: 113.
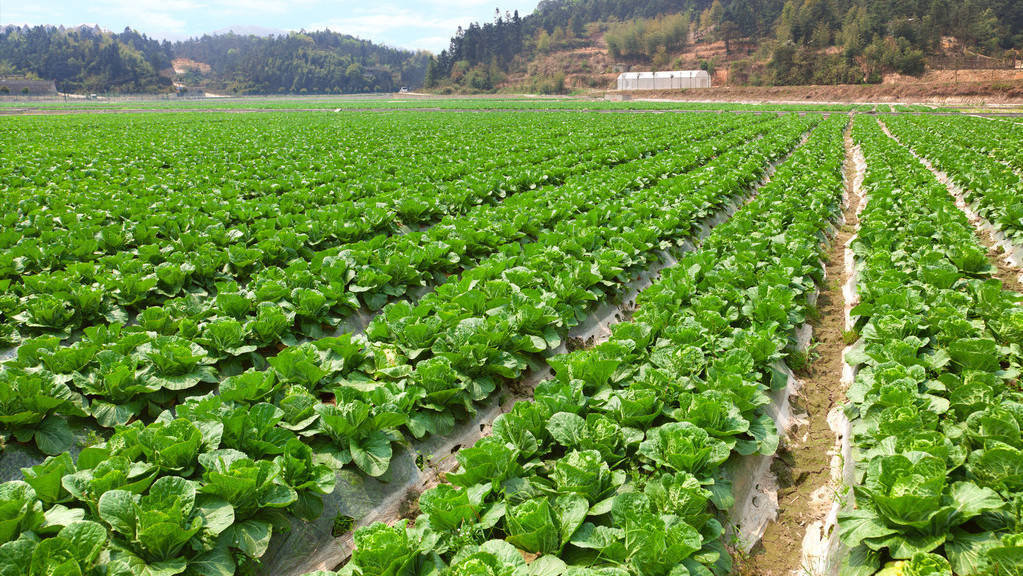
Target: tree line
x: 88, y: 59
x: 322, y: 62
x: 785, y: 42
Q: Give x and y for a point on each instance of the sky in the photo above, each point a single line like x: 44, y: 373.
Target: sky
x: 414, y: 24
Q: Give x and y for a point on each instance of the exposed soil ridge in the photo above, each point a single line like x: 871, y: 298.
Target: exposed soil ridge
x: 804, y: 463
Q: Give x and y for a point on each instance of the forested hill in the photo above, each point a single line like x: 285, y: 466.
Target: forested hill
x: 297, y: 63
x: 766, y: 41
x: 587, y: 41
x: 88, y: 59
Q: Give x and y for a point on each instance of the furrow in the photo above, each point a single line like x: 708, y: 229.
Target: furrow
x: 820, y: 546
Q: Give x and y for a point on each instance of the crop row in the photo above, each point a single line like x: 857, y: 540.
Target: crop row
x: 116, y: 375
x: 175, y: 348
x: 620, y: 465
x: 994, y: 189
x: 234, y: 461
x: 935, y: 404
x: 463, y: 104
x: 996, y: 138
x: 87, y: 286
x: 294, y: 179
x: 245, y: 155
x: 492, y: 322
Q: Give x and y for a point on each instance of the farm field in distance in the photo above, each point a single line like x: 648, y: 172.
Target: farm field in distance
x: 506, y: 337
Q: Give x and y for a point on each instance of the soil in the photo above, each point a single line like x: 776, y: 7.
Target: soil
x: 184, y: 65
x: 803, y: 465
x: 937, y: 92
x: 1009, y: 275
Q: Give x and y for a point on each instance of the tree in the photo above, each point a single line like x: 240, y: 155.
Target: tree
x: 430, y: 81
x: 728, y: 31
x: 661, y: 59
x: 543, y: 41
x: 854, y: 30
x: 717, y: 13
x: 577, y: 26
x: 821, y: 37
x: 786, y: 29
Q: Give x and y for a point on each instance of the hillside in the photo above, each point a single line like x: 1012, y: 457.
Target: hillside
x: 567, y: 44
x: 562, y: 45
x: 88, y: 59
x: 297, y: 63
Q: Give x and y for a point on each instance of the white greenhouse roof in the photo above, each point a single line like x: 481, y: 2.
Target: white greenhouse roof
x: 673, y: 74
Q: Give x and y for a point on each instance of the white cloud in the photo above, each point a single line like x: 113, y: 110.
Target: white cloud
x: 25, y: 13
x: 250, y: 8
x: 388, y: 18
x: 415, y: 24
x: 158, y: 18
x: 395, y: 26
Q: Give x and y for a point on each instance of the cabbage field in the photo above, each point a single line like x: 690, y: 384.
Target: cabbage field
x: 507, y: 342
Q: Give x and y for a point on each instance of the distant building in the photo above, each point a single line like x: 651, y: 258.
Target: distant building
x: 677, y: 80
x: 25, y: 87
x: 189, y: 92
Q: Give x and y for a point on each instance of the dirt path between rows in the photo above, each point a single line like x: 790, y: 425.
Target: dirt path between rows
x: 1007, y: 273
x: 803, y: 465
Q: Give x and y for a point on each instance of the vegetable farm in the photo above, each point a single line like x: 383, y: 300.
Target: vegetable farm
x: 471, y: 340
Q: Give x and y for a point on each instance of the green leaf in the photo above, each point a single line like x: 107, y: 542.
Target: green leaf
x: 970, y: 500
x: 216, y: 562
x: 923, y: 564
x: 60, y: 516
x: 855, y: 526
x: 584, y: 473
x: 505, y: 553
x: 567, y: 429
x: 117, y: 509
x: 975, y: 354
x: 53, y: 435
x: 87, y: 540
x: 15, y: 556
x: 382, y: 549
x: 372, y: 454
x: 45, y: 478
x: 572, y: 510
x: 532, y: 526
x: 596, y: 537
x: 860, y: 561
x: 967, y: 553
x: 251, y: 537
x: 217, y: 514
x: 110, y: 415
x: 547, y: 566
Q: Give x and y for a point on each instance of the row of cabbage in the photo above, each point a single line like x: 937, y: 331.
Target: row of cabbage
x: 972, y: 156
x: 117, y: 240
x: 503, y: 103
x: 115, y: 374
x: 202, y: 488
x: 936, y: 405
x: 620, y: 465
x: 124, y: 279
x: 992, y: 136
